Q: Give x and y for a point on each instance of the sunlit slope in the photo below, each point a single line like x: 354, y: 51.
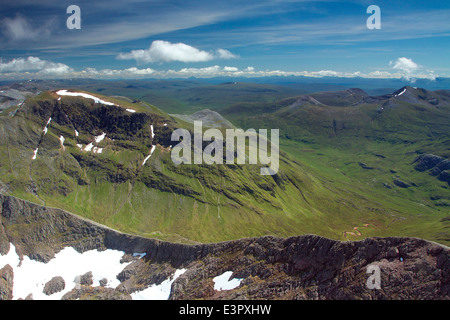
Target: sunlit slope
x: 118, y: 187
x: 368, y: 145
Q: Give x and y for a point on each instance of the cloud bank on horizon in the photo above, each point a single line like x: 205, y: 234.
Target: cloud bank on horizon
x: 35, y: 68
x: 175, y: 39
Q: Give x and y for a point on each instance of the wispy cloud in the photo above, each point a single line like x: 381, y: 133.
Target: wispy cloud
x: 283, y: 34
x: 112, y: 22
x: 19, y: 28
x: 339, y: 29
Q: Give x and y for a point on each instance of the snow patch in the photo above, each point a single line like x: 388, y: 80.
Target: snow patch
x: 223, y: 282
x: 46, y: 126
x: 398, y: 95
x: 30, y: 276
x: 89, y: 147
x: 84, y: 95
x: 35, y: 154
x: 131, y: 110
x: 76, y: 133
x: 151, y: 128
x: 99, y: 138
x: 62, y: 139
x: 148, y: 157
x: 157, y: 292
x: 97, y: 150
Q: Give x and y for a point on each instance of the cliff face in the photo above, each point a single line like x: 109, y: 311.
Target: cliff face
x: 303, y: 267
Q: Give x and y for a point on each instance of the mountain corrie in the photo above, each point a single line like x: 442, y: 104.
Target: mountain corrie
x: 213, y: 153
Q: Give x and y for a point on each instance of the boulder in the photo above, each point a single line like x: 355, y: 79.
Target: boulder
x: 86, y: 279
x: 56, y: 284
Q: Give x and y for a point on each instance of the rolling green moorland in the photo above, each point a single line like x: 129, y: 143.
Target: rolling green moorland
x: 352, y: 165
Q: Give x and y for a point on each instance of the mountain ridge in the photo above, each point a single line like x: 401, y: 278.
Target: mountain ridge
x: 301, y: 267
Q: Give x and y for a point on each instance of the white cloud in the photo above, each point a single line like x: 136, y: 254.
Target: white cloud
x: 207, y: 71
x: 230, y: 69
x: 325, y: 73
x: 137, y: 71
x: 130, y: 72
x: 405, y: 65
x: 225, y: 54
x: 35, y: 68
x: 164, y: 51
x: 380, y: 74
x: 410, y: 71
x: 34, y: 64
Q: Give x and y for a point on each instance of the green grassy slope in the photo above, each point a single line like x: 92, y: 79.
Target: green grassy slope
x: 321, y: 188
x: 195, y: 203
x: 363, y: 147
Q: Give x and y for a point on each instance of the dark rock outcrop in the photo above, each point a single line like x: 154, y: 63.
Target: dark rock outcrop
x: 56, y: 284
x: 440, y: 167
x: 86, y: 279
x: 437, y: 166
x: 401, y: 184
x: 364, y: 166
x: 312, y: 267
x: 426, y: 161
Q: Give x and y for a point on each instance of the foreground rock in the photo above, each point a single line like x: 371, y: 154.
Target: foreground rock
x: 6, y: 282
x: 56, y: 284
x: 95, y: 293
x: 302, y: 267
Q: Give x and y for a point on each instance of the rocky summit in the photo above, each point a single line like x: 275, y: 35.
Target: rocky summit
x: 301, y: 267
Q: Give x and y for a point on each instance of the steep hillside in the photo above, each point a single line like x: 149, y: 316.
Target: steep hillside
x: 110, y: 161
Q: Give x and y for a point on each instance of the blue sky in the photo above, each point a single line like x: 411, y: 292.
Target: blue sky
x: 164, y: 39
